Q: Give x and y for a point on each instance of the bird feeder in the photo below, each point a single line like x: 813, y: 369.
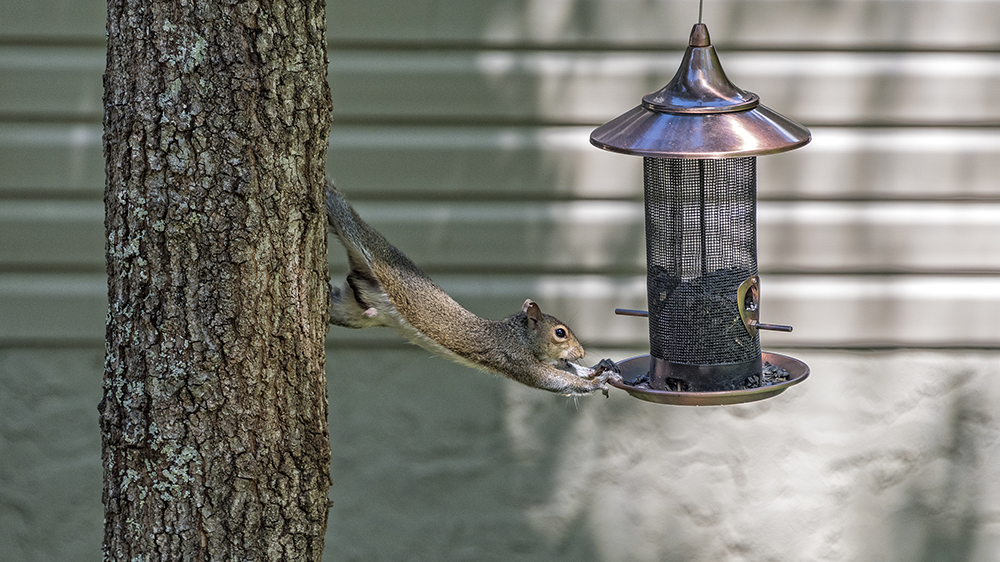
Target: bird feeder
x: 699, y: 137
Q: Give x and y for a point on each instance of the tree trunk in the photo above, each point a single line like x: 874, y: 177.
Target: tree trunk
x: 215, y: 439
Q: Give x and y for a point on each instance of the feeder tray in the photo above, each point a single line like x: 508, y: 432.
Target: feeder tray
x: 637, y: 368
x: 699, y: 137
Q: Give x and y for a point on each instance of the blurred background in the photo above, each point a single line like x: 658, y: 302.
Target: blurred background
x: 461, y: 132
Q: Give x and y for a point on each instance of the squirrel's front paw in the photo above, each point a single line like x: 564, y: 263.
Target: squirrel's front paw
x: 597, y: 378
x: 604, y: 370
x: 606, y: 366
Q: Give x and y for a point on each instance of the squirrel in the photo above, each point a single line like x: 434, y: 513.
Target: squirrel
x: 384, y: 288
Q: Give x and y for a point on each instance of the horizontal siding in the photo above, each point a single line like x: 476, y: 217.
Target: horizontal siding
x: 51, y: 234
x: 601, y: 236
x: 51, y: 159
x: 568, y: 87
x: 59, y: 21
x: 461, y: 131
x: 795, y: 24
x: 52, y: 308
x: 584, y: 236
x: 51, y: 82
x: 826, y: 311
x: 506, y: 162
x: 830, y: 24
x: 585, y: 88
x: 559, y: 162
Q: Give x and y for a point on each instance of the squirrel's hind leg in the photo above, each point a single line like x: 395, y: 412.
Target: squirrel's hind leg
x: 346, y: 310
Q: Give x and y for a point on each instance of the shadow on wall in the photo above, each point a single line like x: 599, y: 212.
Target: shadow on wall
x: 886, y: 457
x: 940, y: 521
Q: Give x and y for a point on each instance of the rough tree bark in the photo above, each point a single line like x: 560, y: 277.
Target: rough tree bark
x: 215, y: 440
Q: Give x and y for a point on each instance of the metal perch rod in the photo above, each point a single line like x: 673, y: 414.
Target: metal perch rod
x: 754, y: 323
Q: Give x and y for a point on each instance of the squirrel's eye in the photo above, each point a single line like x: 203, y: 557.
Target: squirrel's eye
x: 560, y: 333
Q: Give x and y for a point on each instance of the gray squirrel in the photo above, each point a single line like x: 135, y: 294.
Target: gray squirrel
x: 384, y: 288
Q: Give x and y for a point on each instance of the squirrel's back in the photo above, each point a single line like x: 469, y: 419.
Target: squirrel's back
x: 386, y: 283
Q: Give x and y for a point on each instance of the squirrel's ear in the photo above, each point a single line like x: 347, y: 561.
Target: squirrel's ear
x: 534, y: 314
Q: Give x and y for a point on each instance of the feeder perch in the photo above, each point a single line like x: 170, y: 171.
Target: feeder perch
x: 699, y: 137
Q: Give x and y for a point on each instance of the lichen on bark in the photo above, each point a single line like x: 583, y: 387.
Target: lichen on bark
x: 215, y: 443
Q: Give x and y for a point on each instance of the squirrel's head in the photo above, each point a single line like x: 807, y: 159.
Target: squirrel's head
x: 555, y: 342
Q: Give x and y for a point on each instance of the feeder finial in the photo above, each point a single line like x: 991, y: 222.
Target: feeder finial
x: 699, y: 36
x: 700, y: 86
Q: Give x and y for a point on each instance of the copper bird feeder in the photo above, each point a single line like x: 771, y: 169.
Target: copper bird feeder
x: 699, y: 137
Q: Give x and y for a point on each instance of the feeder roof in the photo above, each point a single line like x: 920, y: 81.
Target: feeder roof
x: 700, y: 114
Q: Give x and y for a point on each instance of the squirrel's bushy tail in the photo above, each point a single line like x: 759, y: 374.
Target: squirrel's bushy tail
x: 353, y: 232
x: 339, y: 213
